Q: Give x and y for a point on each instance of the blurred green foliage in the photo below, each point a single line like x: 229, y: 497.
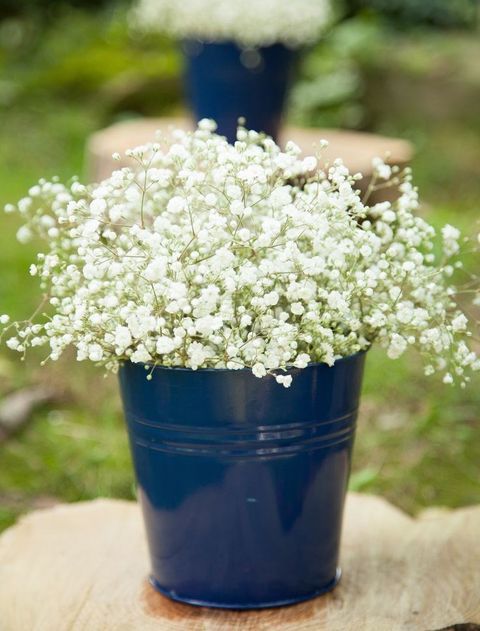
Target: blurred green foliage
x: 438, y: 13
x: 364, y: 72
x: 95, y: 55
x: 62, y: 78
x: 80, y: 54
x: 48, y: 8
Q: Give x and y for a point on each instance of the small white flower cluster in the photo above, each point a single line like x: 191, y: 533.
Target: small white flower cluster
x: 248, y: 22
x: 214, y: 255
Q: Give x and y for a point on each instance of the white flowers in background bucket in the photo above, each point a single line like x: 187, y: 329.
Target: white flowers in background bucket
x: 213, y: 255
x: 250, y: 23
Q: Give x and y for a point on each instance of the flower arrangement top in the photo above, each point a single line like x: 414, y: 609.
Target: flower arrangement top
x: 207, y: 254
x: 250, y: 23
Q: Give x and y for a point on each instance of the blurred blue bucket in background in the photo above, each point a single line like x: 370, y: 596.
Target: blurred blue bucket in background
x: 242, y: 481
x: 225, y: 82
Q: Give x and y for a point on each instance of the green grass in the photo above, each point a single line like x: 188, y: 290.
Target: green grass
x: 68, y: 453
x: 417, y: 441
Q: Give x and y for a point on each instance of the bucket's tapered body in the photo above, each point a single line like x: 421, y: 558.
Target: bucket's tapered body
x: 242, y: 481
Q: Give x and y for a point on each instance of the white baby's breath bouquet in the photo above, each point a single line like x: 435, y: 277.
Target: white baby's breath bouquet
x: 249, y: 23
x: 206, y: 254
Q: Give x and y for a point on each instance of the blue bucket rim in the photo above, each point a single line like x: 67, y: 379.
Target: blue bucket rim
x: 240, y: 370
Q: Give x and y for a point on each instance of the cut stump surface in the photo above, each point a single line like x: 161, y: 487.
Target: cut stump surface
x: 83, y: 567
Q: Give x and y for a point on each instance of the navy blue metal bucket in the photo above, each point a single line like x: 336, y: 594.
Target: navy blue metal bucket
x: 225, y: 83
x: 241, y: 481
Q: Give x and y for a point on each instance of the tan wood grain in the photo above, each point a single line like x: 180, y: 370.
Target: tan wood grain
x: 83, y: 567
x: 355, y: 148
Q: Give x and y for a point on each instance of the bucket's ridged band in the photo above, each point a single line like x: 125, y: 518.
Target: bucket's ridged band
x: 262, y: 440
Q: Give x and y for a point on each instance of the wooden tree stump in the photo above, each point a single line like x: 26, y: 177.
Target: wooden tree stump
x: 357, y: 149
x: 83, y: 567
